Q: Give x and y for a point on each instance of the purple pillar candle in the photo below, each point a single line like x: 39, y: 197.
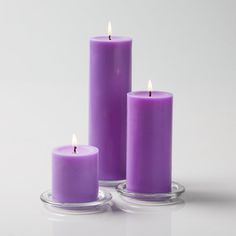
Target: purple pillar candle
x: 75, y: 174
x: 149, y: 137
x: 110, y: 81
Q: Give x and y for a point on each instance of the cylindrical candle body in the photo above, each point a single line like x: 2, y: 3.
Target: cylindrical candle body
x: 149, y: 140
x: 75, y: 175
x: 110, y: 80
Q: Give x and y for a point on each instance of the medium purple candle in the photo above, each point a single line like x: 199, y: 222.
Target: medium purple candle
x: 110, y: 81
x: 75, y: 174
x: 149, y: 138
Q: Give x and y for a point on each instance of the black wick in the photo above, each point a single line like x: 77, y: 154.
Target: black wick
x: 75, y: 149
x: 150, y: 93
x: 109, y: 37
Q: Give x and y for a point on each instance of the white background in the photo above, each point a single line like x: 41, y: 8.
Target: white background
x: 185, y: 47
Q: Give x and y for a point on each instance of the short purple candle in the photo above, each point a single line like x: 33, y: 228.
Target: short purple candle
x: 75, y: 175
x: 110, y: 81
x: 149, y: 138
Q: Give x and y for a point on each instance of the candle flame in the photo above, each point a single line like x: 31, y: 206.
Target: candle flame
x: 109, y: 29
x: 149, y: 86
x: 74, y: 140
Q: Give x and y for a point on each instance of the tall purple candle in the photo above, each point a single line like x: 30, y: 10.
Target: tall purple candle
x: 75, y: 174
x: 110, y: 81
x: 149, y: 138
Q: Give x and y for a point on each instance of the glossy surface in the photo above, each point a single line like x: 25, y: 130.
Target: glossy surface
x: 99, y: 205
x: 153, y: 199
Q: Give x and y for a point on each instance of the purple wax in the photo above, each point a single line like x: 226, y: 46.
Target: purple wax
x: 75, y: 175
x: 149, y: 139
x: 110, y: 81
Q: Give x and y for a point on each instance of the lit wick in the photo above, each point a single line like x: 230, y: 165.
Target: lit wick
x: 74, y: 143
x: 150, y: 88
x: 109, y: 30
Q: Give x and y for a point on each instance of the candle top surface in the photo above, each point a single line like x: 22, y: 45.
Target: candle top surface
x: 154, y: 95
x: 114, y: 39
x: 82, y: 150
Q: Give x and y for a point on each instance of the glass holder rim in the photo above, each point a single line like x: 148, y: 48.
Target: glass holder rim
x: 152, y: 198
x: 103, y: 200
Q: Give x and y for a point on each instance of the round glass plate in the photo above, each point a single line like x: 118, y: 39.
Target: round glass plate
x: 111, y: 183
x: 152, y: 199
x: 101, y: 204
